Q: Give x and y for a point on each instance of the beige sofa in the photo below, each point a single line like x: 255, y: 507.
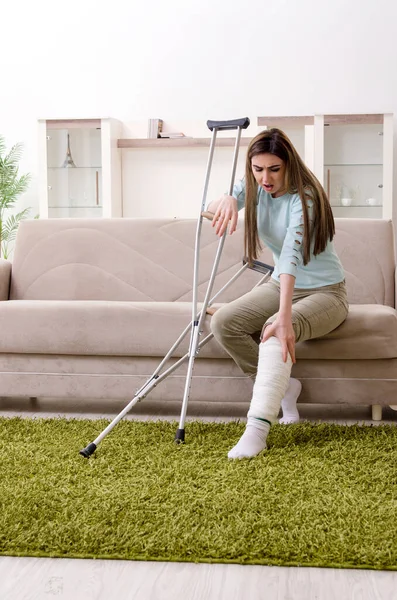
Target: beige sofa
x: 90, y: 307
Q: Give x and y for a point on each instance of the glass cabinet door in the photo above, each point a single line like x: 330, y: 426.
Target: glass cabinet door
x: 74, y: 169
x: 353, y: 165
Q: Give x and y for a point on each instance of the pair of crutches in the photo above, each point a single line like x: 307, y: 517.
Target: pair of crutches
x: 196, y: 324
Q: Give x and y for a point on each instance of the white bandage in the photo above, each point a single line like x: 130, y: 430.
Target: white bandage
x: 272, y: 381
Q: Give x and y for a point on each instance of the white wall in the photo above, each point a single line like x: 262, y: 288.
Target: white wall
x: 187, y: 61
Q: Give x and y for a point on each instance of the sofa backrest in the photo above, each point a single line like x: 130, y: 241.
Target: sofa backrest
x: 366, y: 250
x: 152, y: 260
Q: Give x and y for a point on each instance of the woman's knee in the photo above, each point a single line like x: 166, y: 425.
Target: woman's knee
x: 218, y: 321
x: 223, y: 322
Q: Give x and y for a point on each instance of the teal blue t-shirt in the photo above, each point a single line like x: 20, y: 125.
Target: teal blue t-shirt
x: 280, y: 227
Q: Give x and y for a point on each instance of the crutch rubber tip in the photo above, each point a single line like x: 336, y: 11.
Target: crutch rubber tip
x: 90, y: 449
x: 180, y: 436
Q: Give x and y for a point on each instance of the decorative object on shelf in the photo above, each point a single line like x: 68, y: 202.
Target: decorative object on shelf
x: 346, y: 201
x: 371, y: 202
x: 68, y: 162
x: 349, y: 196
x: 345, y: 195
x: 155, y: 128
x: 171, y: 135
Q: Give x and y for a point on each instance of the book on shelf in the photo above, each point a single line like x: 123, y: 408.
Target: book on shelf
x: 171, y: 134
x: 154, y: 129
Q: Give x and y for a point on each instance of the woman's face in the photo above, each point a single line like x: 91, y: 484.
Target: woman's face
x: 269, y: 172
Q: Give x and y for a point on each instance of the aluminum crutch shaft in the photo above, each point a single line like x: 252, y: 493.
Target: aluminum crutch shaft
x: 197, y: 322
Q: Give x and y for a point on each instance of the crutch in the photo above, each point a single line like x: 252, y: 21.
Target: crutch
x: 197, y: 317
x: 197, y: 320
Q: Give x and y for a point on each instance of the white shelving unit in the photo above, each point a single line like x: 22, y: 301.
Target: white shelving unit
x: 351, y: 155
x: 355, y: 163
x: 79, y: 168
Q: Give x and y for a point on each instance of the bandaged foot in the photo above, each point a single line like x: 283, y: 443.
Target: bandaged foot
x: 270, y: 386
x: 253, y: 440
x: 288, y: 403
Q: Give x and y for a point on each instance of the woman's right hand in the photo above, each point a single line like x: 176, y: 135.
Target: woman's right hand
x: 225, y: 213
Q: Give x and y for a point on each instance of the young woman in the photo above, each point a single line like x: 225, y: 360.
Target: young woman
x: 287, y: 209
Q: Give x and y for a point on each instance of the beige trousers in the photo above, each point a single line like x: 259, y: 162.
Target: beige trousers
x: 237, y: 326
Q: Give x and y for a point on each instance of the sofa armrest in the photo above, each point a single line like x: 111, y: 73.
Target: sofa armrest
x: 5, y: 279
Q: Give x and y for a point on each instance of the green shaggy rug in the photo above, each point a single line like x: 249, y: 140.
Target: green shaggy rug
x: 322, y: 495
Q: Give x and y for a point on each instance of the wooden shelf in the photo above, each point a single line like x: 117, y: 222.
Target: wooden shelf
x: 178, y: 142
x: 285, y: 121
x: 373, y: 119
x: 73, y: 123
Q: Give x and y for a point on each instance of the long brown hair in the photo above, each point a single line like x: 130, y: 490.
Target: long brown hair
x: 298, y: 180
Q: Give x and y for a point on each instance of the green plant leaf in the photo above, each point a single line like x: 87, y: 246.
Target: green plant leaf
x: 10, y: 227
x: 12, y: 185
x: 14, y: 156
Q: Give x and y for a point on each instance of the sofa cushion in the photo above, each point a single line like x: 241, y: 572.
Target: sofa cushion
x: 94, y: 327
x: 369, y: 332
x: 151, y: 328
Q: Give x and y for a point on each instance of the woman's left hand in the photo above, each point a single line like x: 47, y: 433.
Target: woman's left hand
x: 282, y: 329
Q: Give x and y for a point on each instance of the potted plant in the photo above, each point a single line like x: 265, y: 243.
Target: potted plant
x: 12, y: 185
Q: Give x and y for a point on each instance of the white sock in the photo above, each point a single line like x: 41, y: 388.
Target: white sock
x: 288, y: 403
x: 253, y: 440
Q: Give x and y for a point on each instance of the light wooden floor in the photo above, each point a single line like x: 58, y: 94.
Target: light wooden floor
x: 74, y: 579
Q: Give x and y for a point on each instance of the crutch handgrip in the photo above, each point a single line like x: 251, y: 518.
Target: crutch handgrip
x: 207, y: 215
x: 226, y: 125
x: 259, y: 266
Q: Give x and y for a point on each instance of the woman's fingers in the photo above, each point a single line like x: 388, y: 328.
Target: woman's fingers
x: 291, y: 349
x: 288, y: 347
x: 222, y: 224
x: 287, y: 343
x: 225, y: 213
x: 216, y: 217
x: 233, y: 223
x: 267, y: 332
